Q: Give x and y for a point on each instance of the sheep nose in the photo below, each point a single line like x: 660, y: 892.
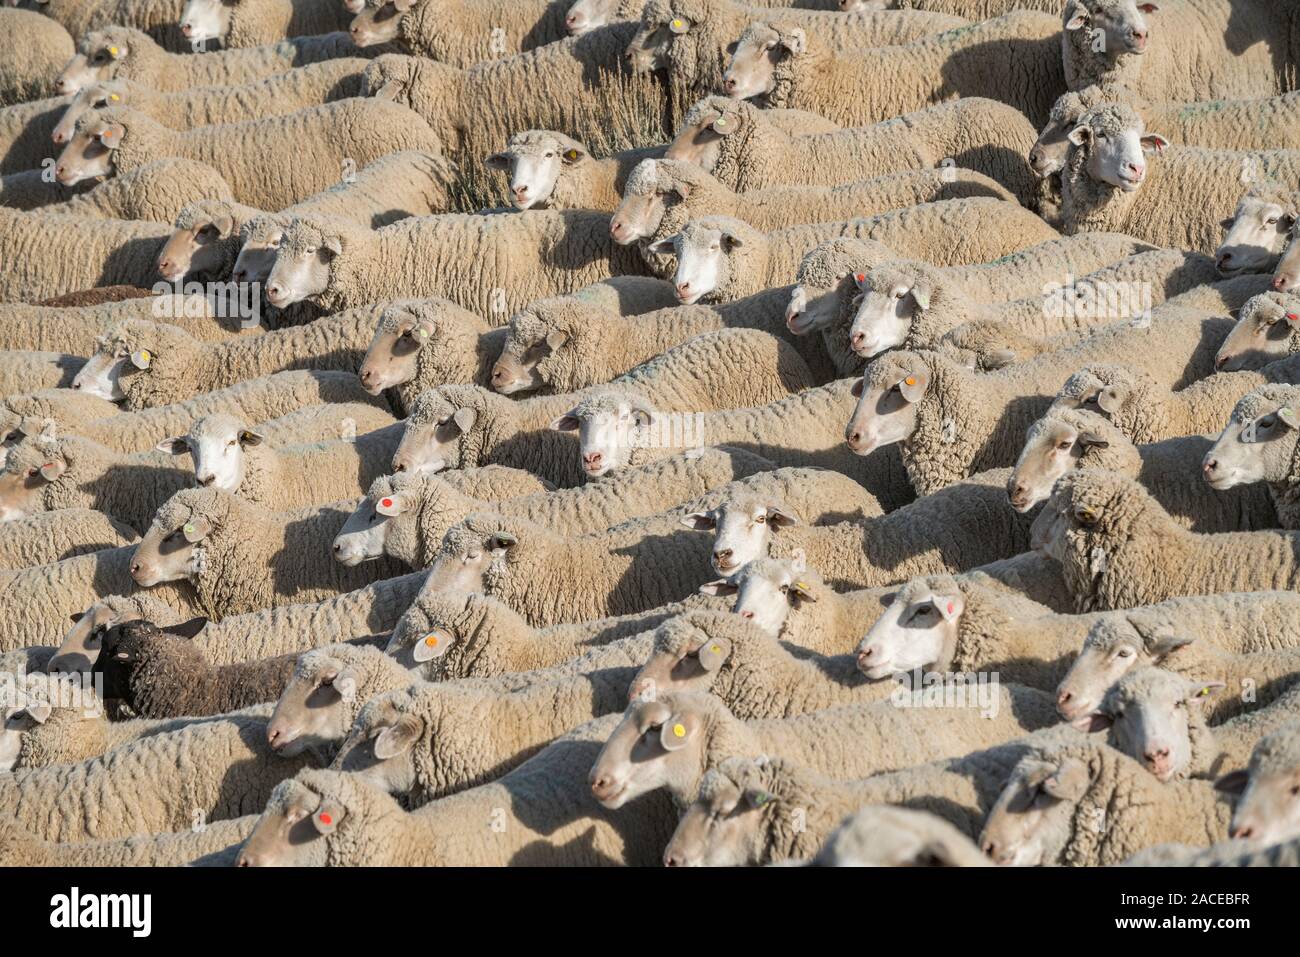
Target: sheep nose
x: 76, y: 383
x: 857, y: 341
x: 135, y: 568
x: 673, y: 860
x: 1281, y: 281
x: 1017, y: 493
x: 854, y: 440
x: 616, y: 228
x: 521, y: 192
x: 593, y: 459
x: 601, y: 784
x: 1240, y: 831
x: 747, y: 614
x: 570, y: 20
x: 683, y: 290
x: 273, y: 733
x: 60, y: 171
x: 1224, y: 261
x: 1065, y: 697
x: 1141, y: 37
x: 1220, y: 361
x: 206, y: 480
x: 499, y: 375
x: 1137, y: 169
x: 723, y: 556
x: 186, y: 29
x: 729, y: 83
x: 241, y: 275
x: 399, y: 466
x: 990, y: 850
x: 245, y: 860
x: 1210, y: 466
x: 59, y: 137
x: 338, y: 548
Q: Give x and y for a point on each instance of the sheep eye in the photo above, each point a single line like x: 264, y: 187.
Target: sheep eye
x: 1124, y: 653
x: 785, y: 589
x: 760, y: 519
x: 31, y: 473
x: 311, y: 251
x: 1064, y: 445
x: 899, y: 294
x: 550, y: 156
x: 1295, y: 790
x: 1271, y: 221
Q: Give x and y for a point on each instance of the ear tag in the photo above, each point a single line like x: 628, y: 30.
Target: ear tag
x: 677, y: 25
x: 571, y: 155
x: 801, y: 585
x: 950, y: 607
x: 761, y: 799
x: 910, y: 380
x: 431, y: 640
x: 114, y: 97
x: 716, y: 650
x: 720, y: 124
x: 1284, y: 411
x: 112, y: 51
x: 1292, y: 317
x: 187, y: 528
x: 386, y: 502
x: 146, y: 355
x: 325, y: 818
x: 1203, y: 692
x: 679, y: 730
x: 860, y: 277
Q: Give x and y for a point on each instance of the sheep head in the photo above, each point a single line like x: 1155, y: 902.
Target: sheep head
x: 716, y: 256
x: 380, y: 747
x: 770, y: 592
x: 443, y: 633
x: 546, y: 343
x: 757, y: 59
x: 42, y: 473
x: 714, y: 127
x: 611, y: 426
x: 379, y: 21
x: 1258, y: 231
x: 204, y: 240
x: 654, y: 199
x: 259, y: 242
x: 1031, y: 821
x: 450, y: 427
x: 889, y: 397
x: 1109, y: 144
x: 918, y: 630
x: 408, y: 338
x: 219, y: 445
x: 83, y: 642
x: 902, y: 304
x: 477, y: 553
x: 692, y: 650
x: 308, y: 253
x: 828, y: 280
x: 684, y: 37
x: 1125, y: 396
x: 743, y: 525
x: 1063, y: 440
x: 535, y: 161
x: 319, y: 701
x: 727, y: 823
x: 1259, y: 443
x: 187, y: 526
x: 96, y: 138
x: 94, y: 96
x: 1268, y: 809
x: 101, y: 55
x: 142, y: 364
x: 1113, y: 27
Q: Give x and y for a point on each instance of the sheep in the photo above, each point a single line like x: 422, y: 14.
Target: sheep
x: 618, y: 428
x: 1264, y: 333
x: 952, y: 529
x: 871, y: 85
x: 118, y: 139
x: 483, y: 31
x: 548, y: 819
x: 734, y: 141
x: 1082, y: 803
x: 721, y: 258
x: 218, y: 769
x: 1178, y: 199
x: 730, y: 656
x: 1259, y: 230
x: 33, y: 371
x: 1266, y: 810
x: 185, y: 109
x: 1100, y: 527
x: 548, y: 170
x: 74, y: 329
x: 211, y: 535
x: 41, y: 539
x: 956, y: 422
x: 642, y: 563
x: 250, y: 23
x: 1107, y: 42
x: 1242, y: 640
x: 1156, y: 718
x: 405, y: 516
x: 36, y: 48
x: 933, y: 311
x: 180, y: 367
x: 475, y: 636
x: 465, y: 258
x: 1145, y: 412
x: 1288, y: 267
x: 123, y: 53
x: 948, y: 624
x: 685, y: 734
x: 53, y: 254
x: 1257, y: 446
x: 661, y: 196
x: 1068, y: 439
x: 248, y: 637
x: 257, y: 400
x: 586, y: 15
x: 159, y: 675
x: 216, y: 842
x: 688, y: 38
x: 155, y: 192
x: 749, y: 804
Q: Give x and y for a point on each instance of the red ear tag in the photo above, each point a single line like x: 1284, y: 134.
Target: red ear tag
x: 861, y: 277
x: 48, y: 465
x: 1293, y: 317
x: 950, y: 608
x: 386, y: 502
x: 325, y: 818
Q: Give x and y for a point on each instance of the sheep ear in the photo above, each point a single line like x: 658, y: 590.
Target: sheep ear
x: 422, y: 331
x: 1197, y: 690
x: 247, y: 437
x: 1234, y: 782
x: 1085, y: 515
x: 796, y: 42
x: 177, y: 446
x: 1092, y: 440
x: 400, y: 737
x: 1166, y: 645
x: 856, y: 389
x: 921, y: 293
x: 1149, y: 7
x: 1109, y: 399
x: 1079, y: 17
x: 499, y: 161
x: 1288, y: 415
x: 913, y: 387
x: 566, y: 423
x: 719, y: 587
x: 663, y: 246
x: 700, y: 521
x: 780, y: 516
x: 334, y: 244
x: 757, y: 797
x: 676, y: 732
x: 1154, y: 143
x: 998, y: 359
x: 502, y: 542
x: 1069, y: 782
x: 433, y: 645
x: 110, y: 135
x: 724, y: 125
x: 573, y: 155
x: 1095, y: 722
x: 390, y: 506
x: 196, y: 529
x: 50, y: 471
x: 327, y: 816
x: 465, y: 419
x: 731, y: 241
x: 641, y: 417
x: 187, y: 629
x: 713, y: 653
x: 949, y: 607
x: 556, y: 338
x: 1080, y: 136
x: 141, y: 358
x: 1227, y: 223
x: 38, y: 711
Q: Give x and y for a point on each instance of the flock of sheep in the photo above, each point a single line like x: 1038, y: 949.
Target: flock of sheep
x: 618, y: 432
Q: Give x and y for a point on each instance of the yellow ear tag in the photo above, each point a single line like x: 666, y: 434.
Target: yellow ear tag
x: 431, y: 640
x: 679, y: 730
x: 145, y: 355
x: 801, y: 585
x: 716, y: 650
x: 424, y: 333
x: 188, y: 529
x: 114, y: 97
x: 1203, y: 692
x: 677, y: 23
x: 112, y: 51
x: 571, y: 155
